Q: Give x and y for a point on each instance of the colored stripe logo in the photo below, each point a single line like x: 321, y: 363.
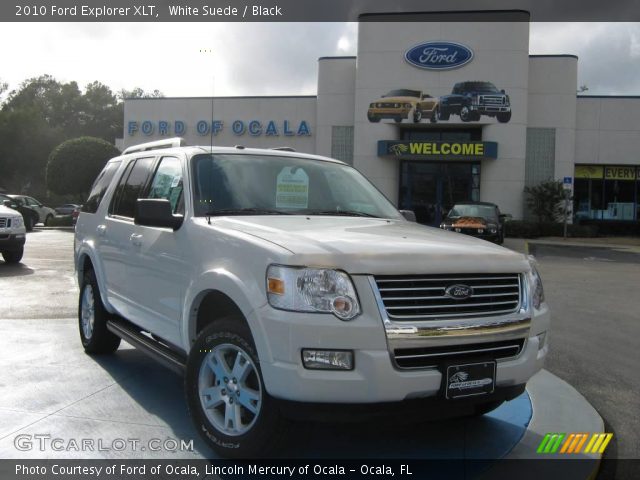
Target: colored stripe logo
x: 574, y: 443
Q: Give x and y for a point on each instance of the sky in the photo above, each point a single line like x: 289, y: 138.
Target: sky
x: 226, y: 59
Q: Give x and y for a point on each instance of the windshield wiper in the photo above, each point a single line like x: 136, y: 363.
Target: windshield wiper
x: 244, y: 211
x: 341, y: 213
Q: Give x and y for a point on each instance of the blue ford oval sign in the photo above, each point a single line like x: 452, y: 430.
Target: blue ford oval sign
x: 439, y: 55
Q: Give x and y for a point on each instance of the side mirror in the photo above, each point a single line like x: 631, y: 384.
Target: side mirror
x: 156, y: 212
x: 7, y: 203
x: 503, y: 217
x: 408, y: 214
x: 502, y: 91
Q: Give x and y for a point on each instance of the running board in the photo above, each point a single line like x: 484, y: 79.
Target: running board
x: 160, y: 352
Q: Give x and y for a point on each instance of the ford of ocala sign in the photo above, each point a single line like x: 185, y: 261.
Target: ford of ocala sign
x: 439, y: 55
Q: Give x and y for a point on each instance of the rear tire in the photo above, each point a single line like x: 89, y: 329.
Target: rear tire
x: 13, y: 256
x: 444, y: 116
x: 93, y: 317
x: 47, y: 220
x: 226, y: 396
x: 29, y: 222
x: 503, y: 117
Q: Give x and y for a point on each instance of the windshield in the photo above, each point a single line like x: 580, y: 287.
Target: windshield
x: 402, y: 93
x: 482, y: 87
x: 231, y: 184
x: 482, y: 211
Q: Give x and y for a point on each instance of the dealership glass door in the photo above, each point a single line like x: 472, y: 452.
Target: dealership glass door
x: 430, y: 189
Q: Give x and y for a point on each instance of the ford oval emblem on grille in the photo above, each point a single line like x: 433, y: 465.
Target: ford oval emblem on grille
x: 459, y: 292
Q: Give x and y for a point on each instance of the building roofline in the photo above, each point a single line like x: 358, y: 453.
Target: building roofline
x: 608, y: 96
x: 448, y: 13
x: 223, y: 98
x: 559, y: 55
x: 338, y: 58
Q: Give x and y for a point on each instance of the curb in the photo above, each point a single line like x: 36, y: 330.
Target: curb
x: 557, y: 407
x: 68, y: 229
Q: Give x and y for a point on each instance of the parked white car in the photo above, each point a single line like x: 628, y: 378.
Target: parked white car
x: 278, y: 281
x: 12, y: 235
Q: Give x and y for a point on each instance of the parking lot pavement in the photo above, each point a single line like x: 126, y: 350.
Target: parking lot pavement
x: 42, y: 286
x: 595, y: 338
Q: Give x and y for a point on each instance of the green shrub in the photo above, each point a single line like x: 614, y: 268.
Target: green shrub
x: 74, y: 165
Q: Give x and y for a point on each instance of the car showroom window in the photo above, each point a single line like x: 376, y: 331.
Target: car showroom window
x: 129, y: 190
x: 167, y: 183
x: 100, y: 187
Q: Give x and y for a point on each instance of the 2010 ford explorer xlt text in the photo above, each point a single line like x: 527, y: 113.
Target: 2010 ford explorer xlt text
x: 281, y: 282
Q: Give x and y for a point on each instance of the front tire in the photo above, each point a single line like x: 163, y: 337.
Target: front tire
x: 417, y: 115
x: 226, y: 396
x: 13, y: 256
x: 93, y: 317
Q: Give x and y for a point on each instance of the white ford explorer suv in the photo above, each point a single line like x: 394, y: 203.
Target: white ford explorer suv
x: 285, y: 284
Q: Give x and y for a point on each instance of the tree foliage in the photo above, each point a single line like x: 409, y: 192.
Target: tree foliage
x: 44, y: 112
x: 74, y: 165
x: 545, y: 200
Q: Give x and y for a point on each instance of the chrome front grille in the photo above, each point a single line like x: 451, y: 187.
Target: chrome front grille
x: 492, y: 100
x: 416, y: 297
x: 5, y: 222
x: 437, y: 356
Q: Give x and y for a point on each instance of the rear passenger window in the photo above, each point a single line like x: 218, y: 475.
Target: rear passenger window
x: 131, y: 187
x: 167, y: 183
x: 100, y: 187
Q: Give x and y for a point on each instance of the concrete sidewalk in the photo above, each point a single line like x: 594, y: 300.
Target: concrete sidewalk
x: 627, y: 244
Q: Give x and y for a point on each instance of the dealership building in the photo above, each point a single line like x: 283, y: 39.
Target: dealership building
x: 437, y: 110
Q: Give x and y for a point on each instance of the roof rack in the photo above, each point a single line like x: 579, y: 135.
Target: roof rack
x: 167, y: 143
x: 284, y: 149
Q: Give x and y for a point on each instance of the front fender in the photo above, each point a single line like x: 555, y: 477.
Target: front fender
x: 247, y: 296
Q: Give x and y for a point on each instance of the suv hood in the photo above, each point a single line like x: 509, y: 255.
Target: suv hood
x: 361, y: 245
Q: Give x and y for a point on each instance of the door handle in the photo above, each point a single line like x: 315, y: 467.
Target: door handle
x: 101, y: 229
x: 136, y: 239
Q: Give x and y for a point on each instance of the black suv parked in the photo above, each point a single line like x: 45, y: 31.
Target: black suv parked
x: 470, y: 100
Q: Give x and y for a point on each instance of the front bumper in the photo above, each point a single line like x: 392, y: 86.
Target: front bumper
x: 488, y: 109
x: 11, y: 241
x: 375, y: 378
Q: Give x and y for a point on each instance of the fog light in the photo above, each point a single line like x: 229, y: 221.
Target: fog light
x: 542, y: 337
x: 327, y: 359
x: 481, y: 230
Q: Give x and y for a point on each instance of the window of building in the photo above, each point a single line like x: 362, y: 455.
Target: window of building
x: 540, y: 159
x: 342, y: 143
x: 606, y: 192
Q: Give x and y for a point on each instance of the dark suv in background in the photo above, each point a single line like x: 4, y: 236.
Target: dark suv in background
x: 470, y: 100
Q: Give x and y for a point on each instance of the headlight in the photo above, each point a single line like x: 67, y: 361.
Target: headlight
x: 17, y: 222
x: 537, y: 292
x: 312, y: 290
